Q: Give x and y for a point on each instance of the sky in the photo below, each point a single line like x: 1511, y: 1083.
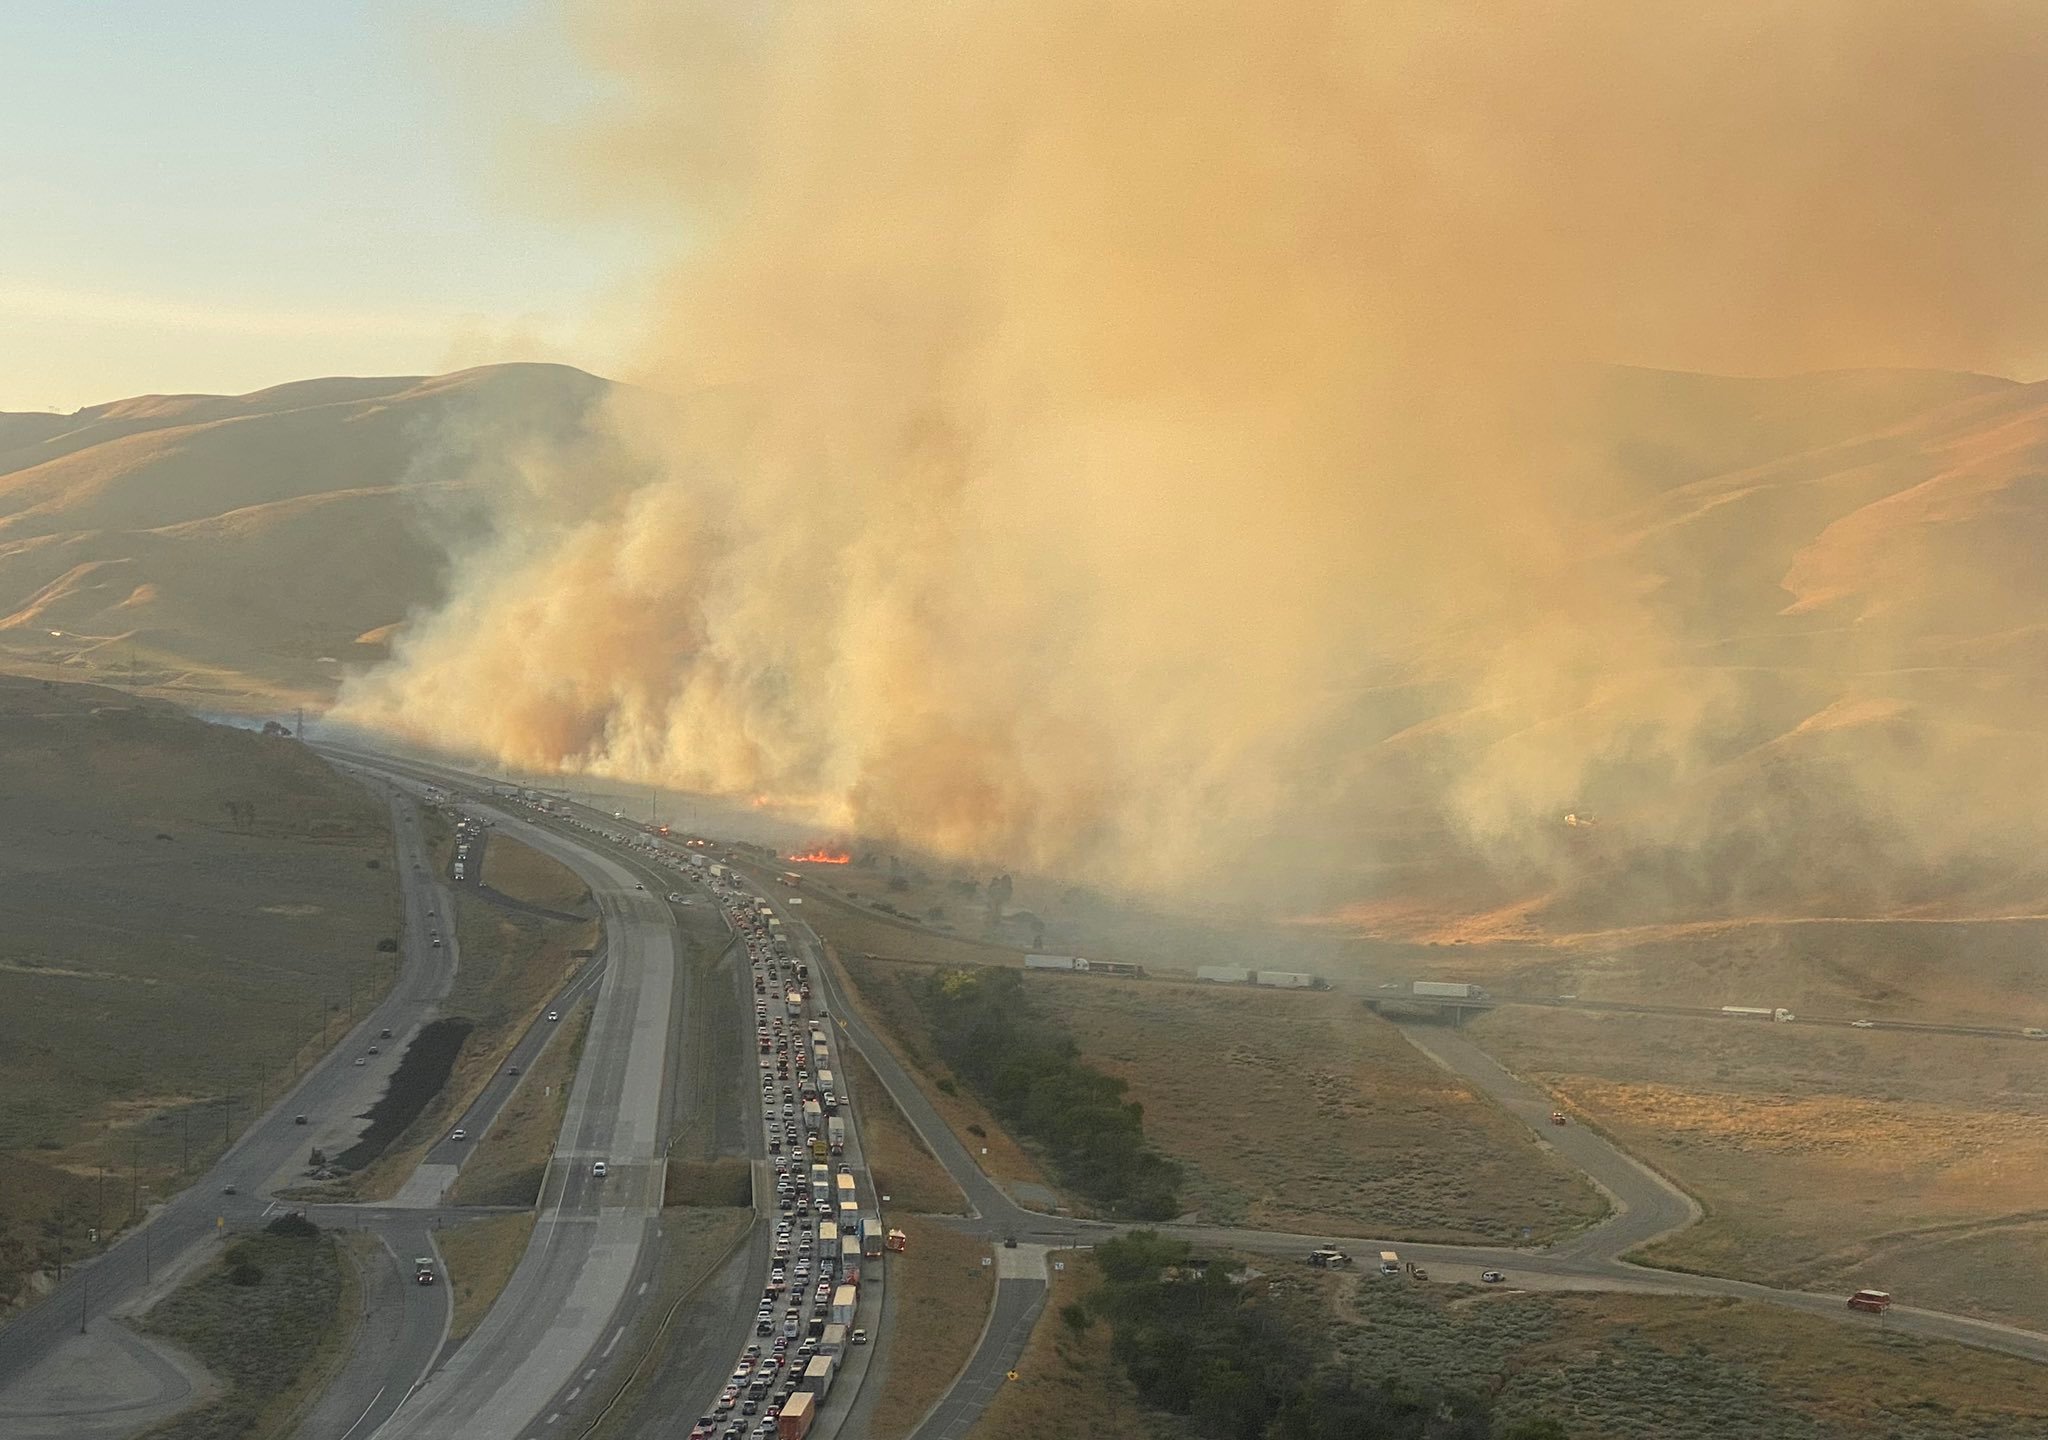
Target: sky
x: 219, y: 195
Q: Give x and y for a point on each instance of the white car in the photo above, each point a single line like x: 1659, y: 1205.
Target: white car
x: 459, y: 1135
x: 554, y: 1014
x: 597, y: 1169
x: 2033, y: 1034
x: 1862, y: 1024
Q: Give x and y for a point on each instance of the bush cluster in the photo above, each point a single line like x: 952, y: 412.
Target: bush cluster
x: 1031, y: 1075
x: 1203, y: 1346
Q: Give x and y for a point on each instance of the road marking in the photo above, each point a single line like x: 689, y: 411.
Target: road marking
x: 554, y: 1417
x: 643, y: 1287
x: 612, y: 1344
x: 366, y: 1412
x: 587, y: 1374
x: 573, y: 1393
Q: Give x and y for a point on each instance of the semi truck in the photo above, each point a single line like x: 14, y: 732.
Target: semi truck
x: 844, y: 1300
x: 821, y: 1184
x: 1446, y: 990
x: 1054, y: 962
x: 1223, y: 974
x: 1390, y: 1263
x: 1757, y: 1012
x: 835, y: 1135
x: 813, y: 1117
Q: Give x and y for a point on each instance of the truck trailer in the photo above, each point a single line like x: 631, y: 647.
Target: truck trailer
x: 835, y: 1135
x: 1054, y: 962
x: 795, y: 1420
x: 1223, y: 974
x: 1757, y: 1012
x: 1286, y: 980
x: 1445, y: 990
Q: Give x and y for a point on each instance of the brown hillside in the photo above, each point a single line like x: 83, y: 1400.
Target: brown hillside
x: 230, y: 550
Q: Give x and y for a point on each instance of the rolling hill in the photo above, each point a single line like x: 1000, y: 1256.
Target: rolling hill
x: 1842, y: 714
x: 235, y: 552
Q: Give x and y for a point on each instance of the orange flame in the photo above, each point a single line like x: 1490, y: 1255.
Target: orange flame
x: 818, y: 855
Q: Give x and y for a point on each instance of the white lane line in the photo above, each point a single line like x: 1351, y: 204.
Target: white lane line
x: 643, y: 1287
x: 573, y: 1393
x: 366, y: 1412
x: 612, y: 1343
x: 554, y: 1417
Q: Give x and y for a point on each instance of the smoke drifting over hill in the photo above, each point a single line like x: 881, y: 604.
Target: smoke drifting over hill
x: 1141, y: 436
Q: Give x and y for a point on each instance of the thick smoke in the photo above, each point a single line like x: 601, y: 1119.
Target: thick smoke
x: 1157, y: 440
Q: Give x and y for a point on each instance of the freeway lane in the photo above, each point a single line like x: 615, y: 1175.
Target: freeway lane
x: 270, y: 1147
x: 586, y: 1255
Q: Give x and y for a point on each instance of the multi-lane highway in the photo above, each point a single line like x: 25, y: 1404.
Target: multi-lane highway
x: 558, y: 1337
x: 586, y: 1254
x: 553, y: 1343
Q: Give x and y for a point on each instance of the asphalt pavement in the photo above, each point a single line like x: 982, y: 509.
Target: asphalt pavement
x: 590, y: 1246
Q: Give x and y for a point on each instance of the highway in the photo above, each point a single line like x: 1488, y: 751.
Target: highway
x: 587, y: 1253
x: 522, y: 1368
x: 271, y: 1149
x: 560, y: 1332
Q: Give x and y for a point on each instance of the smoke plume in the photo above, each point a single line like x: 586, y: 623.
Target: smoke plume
x: 1163, y: 440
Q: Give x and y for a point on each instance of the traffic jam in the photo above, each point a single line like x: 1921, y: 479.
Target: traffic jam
x: 803, y: 1326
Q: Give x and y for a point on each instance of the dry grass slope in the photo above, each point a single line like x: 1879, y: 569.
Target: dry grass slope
x: 230, y: 550
x: 178, y: 903
x: 1301, y: 1111
x: 1823, y: 1157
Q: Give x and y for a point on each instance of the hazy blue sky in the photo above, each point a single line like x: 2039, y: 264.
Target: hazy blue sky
x: 225, y: 194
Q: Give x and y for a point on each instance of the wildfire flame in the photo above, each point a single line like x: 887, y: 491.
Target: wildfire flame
x: 818, y: 855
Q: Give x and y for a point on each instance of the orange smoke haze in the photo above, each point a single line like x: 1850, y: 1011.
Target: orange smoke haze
x: 1158, y: 441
